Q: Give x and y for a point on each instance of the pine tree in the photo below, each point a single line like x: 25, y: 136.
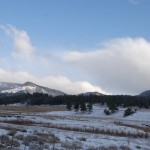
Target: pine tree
x: 83, y: 107
x: 106, y: 112
x: 76, y: 107
x: 69, y: 106
x: 113, y: 108
x: 128, y: 112
x: 89, y: 107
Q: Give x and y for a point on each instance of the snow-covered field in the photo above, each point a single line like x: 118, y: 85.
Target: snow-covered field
x: 69, y: 130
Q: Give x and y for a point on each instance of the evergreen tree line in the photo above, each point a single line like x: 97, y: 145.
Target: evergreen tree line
x: 80, y: 107
x: 111, y: 101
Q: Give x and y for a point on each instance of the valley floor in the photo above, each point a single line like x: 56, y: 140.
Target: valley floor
x: 60, y: 129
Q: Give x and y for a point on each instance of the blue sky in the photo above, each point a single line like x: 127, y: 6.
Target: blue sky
x: 79, y: 23
x: 56, y: 29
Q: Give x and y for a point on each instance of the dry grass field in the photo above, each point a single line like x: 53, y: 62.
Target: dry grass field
x: 25, y: 109
x: 52, y: 127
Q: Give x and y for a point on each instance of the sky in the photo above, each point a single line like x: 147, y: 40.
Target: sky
x: 76, y: 45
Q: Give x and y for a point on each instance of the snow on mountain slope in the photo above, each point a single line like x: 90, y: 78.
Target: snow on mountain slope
x: 27, y: 87
x: 7, y: 86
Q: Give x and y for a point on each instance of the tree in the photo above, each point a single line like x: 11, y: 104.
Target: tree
x: 107, y: 112
x: 89, y: 107
x: 83, y: 107
x: 113, y: 108
x: 128, y: 112
x: 28, y: 103
x: 69, y: 106
x: 76, y: 107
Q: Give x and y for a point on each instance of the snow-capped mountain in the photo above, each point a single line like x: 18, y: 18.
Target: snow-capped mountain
x: 92, y: 93
x: 28, y: 87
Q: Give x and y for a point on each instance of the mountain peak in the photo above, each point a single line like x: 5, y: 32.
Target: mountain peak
x: 29, y: 84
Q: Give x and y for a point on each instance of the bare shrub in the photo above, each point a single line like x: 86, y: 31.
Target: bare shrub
x: 12, y: 132
x: 34, y: 146
x: 44, y: 136
x: 23, y: 130
x: 15, y: 143
x: 53, y: 140
x: 19, y: 137
x: 68, y: 137
x: 103, y: 148
x: 3, y: 137
x: 27, y: 140
x: 138, y: 147
x: 72, y: 145
x: 82, y: 139
x: 2, y: 146
x: 5, y: 140
x: 93, y: 148
x: 123, y: 147
x: 9, y: 143
x: 30, y: 138
x: 46, y: 146
x: 113, y: 147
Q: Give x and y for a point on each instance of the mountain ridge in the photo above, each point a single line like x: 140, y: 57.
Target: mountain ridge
x: 92, y: 93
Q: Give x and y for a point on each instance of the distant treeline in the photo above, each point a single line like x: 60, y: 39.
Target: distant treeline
x: 40, y: 99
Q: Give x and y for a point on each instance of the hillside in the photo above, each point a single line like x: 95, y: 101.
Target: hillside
x: 28, y: 87
x: 145, y: 93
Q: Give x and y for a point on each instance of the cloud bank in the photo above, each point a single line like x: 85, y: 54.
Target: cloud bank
x: 122, y: 65
x: 56, y: 82
x: 24, y: 50
x: 119, y: 66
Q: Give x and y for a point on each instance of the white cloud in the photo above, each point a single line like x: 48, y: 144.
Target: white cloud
x: 56, y: 82
x: 21, y: 41
x: 121, y: 66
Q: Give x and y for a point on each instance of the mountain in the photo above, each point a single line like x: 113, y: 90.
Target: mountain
x: 92, y: 93
x: 28, y: 87
x: 145, y: 93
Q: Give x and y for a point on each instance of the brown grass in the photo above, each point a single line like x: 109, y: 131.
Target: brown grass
x: 20, y: 122
x: 101, y: 131
x: 31, y: 109
x: 77, y: 129
x: 145, y: 129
